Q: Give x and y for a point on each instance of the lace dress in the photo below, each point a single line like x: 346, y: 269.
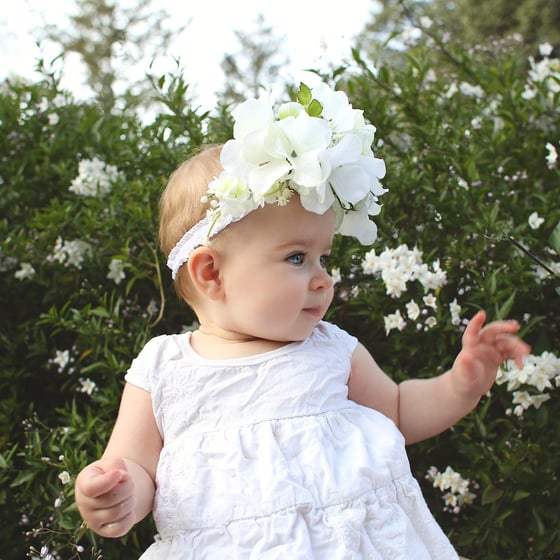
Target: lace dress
x: 265, y: 457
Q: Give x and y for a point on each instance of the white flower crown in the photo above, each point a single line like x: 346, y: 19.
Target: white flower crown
x: 318, y: 147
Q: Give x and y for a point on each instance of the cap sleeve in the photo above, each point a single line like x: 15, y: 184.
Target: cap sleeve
x: 144, y: 369
x: 333, y: 334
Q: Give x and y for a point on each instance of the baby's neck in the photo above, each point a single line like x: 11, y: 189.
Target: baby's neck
x: 219, y: 344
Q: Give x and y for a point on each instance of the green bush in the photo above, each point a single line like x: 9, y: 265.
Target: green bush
x: 469, y: 138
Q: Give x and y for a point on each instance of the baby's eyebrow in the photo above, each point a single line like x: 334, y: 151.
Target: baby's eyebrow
x: 297, y: 243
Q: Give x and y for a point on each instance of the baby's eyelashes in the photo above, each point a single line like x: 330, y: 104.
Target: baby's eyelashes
x: 296, y: 259
x: 299, y: 258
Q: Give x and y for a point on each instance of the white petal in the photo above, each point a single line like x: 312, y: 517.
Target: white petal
x: 263, y: 178
x: 350, y: 182
x: 317, y: 200
x: 249, y: 116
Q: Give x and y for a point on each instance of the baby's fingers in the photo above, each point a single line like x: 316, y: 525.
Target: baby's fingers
x: 476, y: 332
x: 499, y: 328
x: 471, y: 335
x: 113, y: 521
x: 513, y: 348
x: 94, y: 482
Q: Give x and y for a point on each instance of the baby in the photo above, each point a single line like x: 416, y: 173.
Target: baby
x: 268, y: 432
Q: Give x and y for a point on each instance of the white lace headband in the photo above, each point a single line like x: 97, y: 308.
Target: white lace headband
x: 318, y: 147
x: 200, y: 234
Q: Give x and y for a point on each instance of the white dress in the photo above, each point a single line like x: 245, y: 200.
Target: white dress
x: 266, y: 458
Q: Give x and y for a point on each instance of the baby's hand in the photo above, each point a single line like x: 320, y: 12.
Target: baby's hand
x: 105, y: 497
x: 484, y: 350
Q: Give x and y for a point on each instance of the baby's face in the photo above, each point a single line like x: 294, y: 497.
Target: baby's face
x: 274, y: 270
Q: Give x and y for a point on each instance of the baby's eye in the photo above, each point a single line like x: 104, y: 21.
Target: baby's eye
x: 325, y: 260
x: 296, y: 258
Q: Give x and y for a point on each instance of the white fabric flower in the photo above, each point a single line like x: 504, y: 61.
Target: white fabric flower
x: 319, y: 147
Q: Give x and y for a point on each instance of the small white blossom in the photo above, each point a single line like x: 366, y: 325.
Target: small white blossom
x: 546, y: 73
x: 58, y: 253
x: 552, y: 156
x: 64, y: 477
x: 455, y: 310
x: 43, y: 105
x: 43, y: 554
x: 451, y: 90
x: 426, y: 22
x: 335, y: 275
x: 394, y: 321
x: 529, y: 93
x: 545, y: 49
x: 94, y: 178
x: 59, y: 100
x: 538, y: 372
x: 430, y: 322
x: 61, y: 359
x: 412, y: 310
x: 456, y: 488
x: 116, y: 271
x: 152, y: 308
x: 471, y: 91
x: 87, y: 386
x: 70, y: 253
x: 395, y: 281
x: 399, y: 267
x: 430, y: 301
x: 535, y: 221
x: 26, y: 271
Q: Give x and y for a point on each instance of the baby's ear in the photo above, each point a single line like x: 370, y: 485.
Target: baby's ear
x: 204, y: 269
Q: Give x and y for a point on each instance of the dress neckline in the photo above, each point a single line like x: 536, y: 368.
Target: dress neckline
x: 194, y: 356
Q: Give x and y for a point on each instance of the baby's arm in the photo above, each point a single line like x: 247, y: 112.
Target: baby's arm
x: 117, y: 491
x: 422, y: 408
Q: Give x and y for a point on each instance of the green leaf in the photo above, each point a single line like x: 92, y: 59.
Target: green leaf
x: 521, y: 495
x: 554, y: 238
x: 481, y: 427
x: 23, y: 477
x: 315, y: 108
x: 492, y: 284
x: 491, y: 494
x: 304, y: 95
x: 539, y: 522
x: 504, y: 310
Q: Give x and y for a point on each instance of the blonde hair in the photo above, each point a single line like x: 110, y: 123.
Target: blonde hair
x: 181, y: 207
